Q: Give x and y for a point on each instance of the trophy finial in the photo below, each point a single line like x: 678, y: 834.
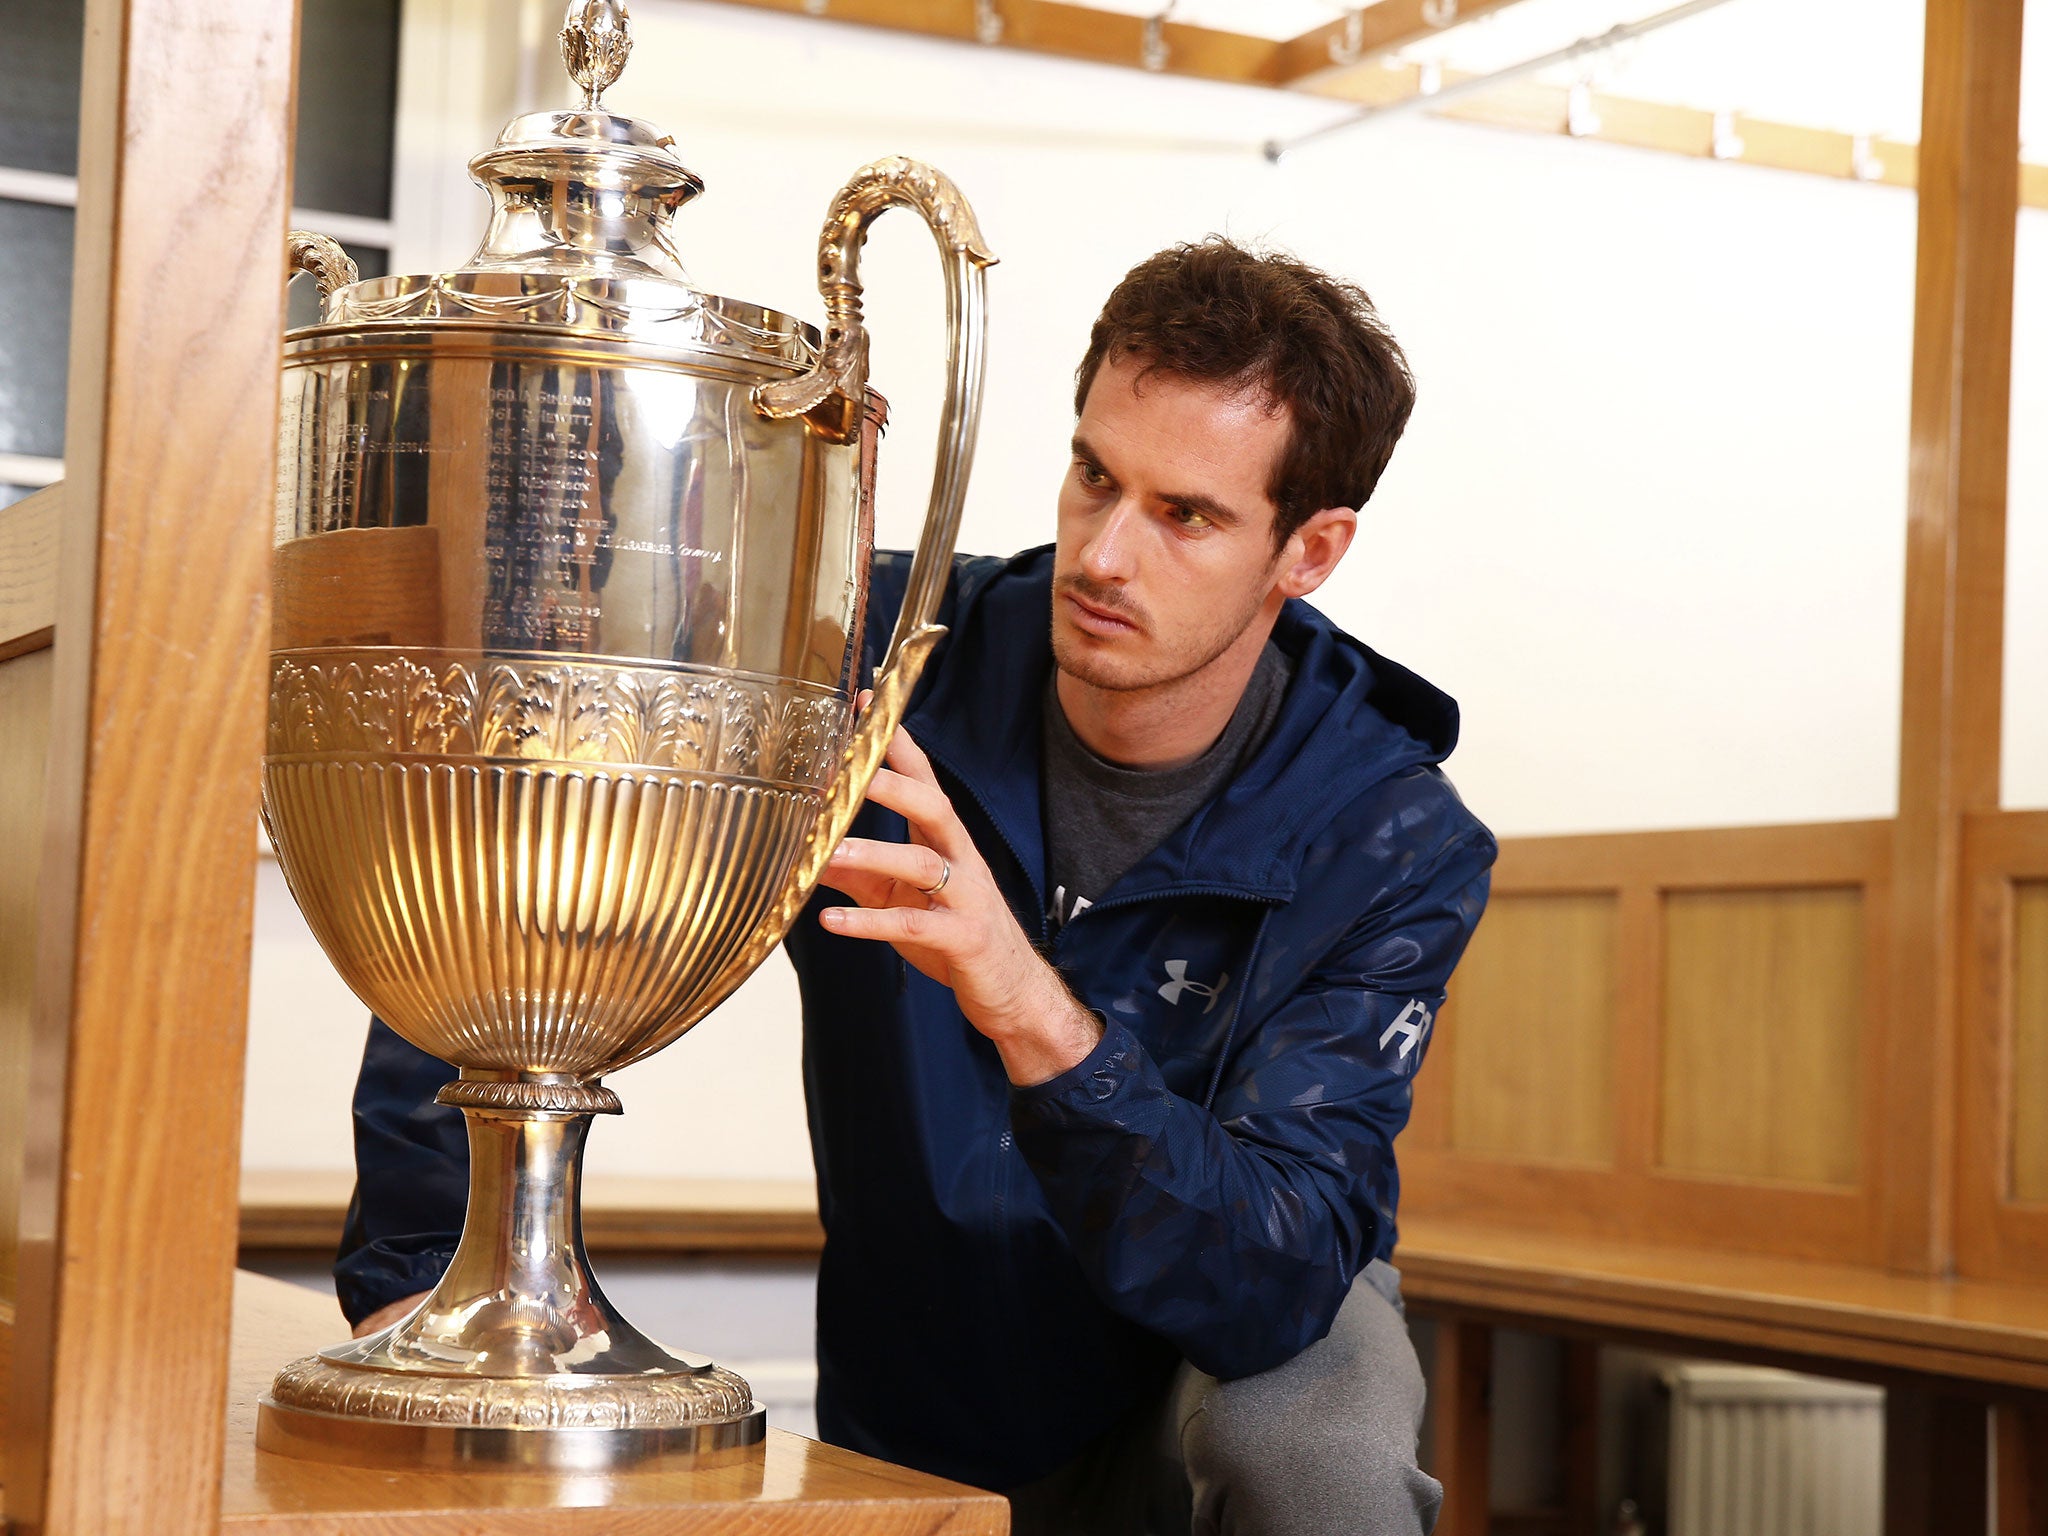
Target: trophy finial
x: 596, y: 37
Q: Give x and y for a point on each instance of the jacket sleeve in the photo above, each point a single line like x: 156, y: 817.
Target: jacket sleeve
x: 1235, y: 1231
x: 412, y: 1178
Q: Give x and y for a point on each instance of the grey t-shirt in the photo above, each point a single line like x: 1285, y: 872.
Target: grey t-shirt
x: 1101, y: 819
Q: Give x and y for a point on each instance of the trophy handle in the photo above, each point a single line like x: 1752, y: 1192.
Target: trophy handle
x: 331, y: 266
x: 831, y: 395
x: 831, y: 398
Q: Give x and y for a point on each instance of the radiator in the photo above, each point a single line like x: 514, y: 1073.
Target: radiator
x: 1755, y: 1452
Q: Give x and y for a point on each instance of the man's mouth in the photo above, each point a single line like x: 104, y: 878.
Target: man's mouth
x: 1095, y: 619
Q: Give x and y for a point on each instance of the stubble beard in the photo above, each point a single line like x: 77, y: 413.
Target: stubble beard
x: 1118, y: 675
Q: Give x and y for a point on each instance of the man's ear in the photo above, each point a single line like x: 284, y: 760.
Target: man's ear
x: 1313, y: 550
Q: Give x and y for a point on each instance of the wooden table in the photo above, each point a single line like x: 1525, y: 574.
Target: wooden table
x: 797, y: 1485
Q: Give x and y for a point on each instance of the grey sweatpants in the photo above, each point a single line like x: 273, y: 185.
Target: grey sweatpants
x: 1324, y: 1444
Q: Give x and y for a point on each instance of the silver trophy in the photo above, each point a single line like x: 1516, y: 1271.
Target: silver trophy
x: 570, y: 580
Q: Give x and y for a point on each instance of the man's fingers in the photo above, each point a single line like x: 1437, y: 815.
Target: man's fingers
x: 923, y: 805
x: 892, y: 925
x: 870, y: 890
x: 859, y: 859
x: 908, y: 758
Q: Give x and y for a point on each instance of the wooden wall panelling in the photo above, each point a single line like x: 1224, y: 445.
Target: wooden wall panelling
x: 24, y: 739
x: 1788, y: 874
x: 28, y: 608
x: 140, y: 1009
x: 2026, y: 1112
x: 1664, y: 1210
x: 2002, y: 1107
x: 1638, y: 1039
x: 1763, y: 1034
x: 1533, y: 1031
x: 1429, y: 1115
x: 1708, y: 858
x: 1955, y: 587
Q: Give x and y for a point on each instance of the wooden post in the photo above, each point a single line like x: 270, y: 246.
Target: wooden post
x: 1955, y: 589
x: 1936, y: 1463
x: 161, y: 632
x: 1580, y: 1450
x: 1461, y: 1453
x: 2020, y: 1434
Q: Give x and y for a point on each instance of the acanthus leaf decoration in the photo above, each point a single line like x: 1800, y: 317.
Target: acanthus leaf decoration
x: 339, y: 703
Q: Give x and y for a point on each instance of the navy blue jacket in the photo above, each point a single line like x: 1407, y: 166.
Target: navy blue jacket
x: 1007, y: 1272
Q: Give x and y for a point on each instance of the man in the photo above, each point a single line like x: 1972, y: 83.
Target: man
x: 1153, y: 911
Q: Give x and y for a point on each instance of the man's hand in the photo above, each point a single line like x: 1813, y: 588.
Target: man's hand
x: 963, y: 936
x: 385, y: 1316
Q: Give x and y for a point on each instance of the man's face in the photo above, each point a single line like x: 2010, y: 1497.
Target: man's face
x: 1165, y: 552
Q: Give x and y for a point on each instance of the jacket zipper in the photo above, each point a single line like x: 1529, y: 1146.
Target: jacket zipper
x: 1005, y: 1141
x: 988, y: 814
x: 1166, y: 893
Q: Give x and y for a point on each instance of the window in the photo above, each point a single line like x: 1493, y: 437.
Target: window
x: 348, y: 91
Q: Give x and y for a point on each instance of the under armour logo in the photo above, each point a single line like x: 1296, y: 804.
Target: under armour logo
x: 1412, y: 1023
x: 1060, y: 915
x: 1178, y: 970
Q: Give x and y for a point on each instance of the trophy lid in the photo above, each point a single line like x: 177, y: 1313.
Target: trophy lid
x: 585, y: 192
x: 581, y: 235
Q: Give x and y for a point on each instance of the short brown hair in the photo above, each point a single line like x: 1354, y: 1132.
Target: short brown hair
x: 1216, y: 312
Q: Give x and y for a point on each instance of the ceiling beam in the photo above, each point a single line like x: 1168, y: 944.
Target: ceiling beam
x: 1304, y: 63
x: 1382, y: 28
x: 1538, y: 106
x: 1071, y: 32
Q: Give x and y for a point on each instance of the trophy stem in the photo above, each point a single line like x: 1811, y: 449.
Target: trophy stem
x: 519, y: 1297
x: 516, y: 1359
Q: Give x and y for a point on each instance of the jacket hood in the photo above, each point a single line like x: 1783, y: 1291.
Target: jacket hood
x: 1349, y: 715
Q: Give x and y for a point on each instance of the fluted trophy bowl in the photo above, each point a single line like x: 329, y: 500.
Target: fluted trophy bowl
x: 570, y: 582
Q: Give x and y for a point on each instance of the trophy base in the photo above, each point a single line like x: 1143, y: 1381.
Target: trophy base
x: 515, y: 1360
x: 319, y: 1410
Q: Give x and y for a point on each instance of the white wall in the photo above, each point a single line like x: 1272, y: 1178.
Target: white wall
x: 1647, y: 524
x: 2026, y: 554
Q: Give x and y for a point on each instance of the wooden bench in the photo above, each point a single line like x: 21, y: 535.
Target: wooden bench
x: 1957, y: 1357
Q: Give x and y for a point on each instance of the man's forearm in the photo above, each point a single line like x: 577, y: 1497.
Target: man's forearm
x: 1044, y: 1032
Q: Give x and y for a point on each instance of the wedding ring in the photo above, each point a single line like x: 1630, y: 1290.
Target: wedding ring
x: 945, y: 874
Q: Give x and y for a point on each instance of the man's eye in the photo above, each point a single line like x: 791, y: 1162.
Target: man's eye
x: 1188, y: 517
x: 1090, y: 475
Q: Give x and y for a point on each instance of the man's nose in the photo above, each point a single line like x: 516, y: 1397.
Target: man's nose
x: 1108, y: 554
